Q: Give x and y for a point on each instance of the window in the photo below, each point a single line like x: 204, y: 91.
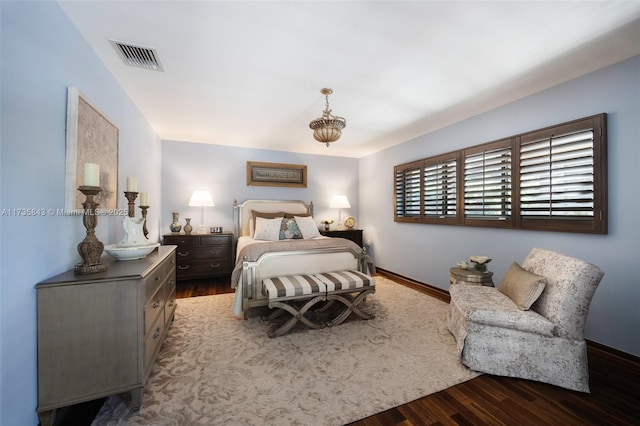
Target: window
x: 487, y: 182
x: 439, y: 185
x: 562, y: 177
x: 551, y: 179
x: 408, y: 185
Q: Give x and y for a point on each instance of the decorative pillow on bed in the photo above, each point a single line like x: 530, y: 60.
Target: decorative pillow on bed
x: 307, y: 227
x: 522, y: 286
x: 267, y: 229
x: 289, y: 229
x: 266, y: 215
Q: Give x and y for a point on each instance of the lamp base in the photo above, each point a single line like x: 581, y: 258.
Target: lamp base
x: 202, y: 229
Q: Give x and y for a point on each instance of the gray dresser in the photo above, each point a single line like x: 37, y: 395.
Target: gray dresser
x: 99, y: 334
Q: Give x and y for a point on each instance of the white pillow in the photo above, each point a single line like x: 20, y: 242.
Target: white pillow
x: 307, y: 226
x: 267, y: 229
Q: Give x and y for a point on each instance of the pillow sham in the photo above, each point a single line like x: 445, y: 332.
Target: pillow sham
x: 289, y: 229
x: 267, y: 229
x: 267, y: 215
x: 307, y: 226
x: 522, y: 286
x: 292, y: 215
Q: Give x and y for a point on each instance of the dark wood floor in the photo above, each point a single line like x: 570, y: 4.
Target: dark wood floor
x: 485, y: 400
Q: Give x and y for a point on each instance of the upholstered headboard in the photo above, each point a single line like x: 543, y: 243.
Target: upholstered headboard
x: 242, y: 212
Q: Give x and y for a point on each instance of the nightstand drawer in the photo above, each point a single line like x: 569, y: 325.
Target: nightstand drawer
x: 214, y: 240
x: 181, y: 240
x: 202, y: 267
x: 202, y: 253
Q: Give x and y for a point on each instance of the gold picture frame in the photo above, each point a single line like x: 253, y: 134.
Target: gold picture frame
x: 276, y: 174
x: 91, y: 138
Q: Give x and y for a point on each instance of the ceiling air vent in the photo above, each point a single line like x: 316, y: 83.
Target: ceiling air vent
x: 138, y: 56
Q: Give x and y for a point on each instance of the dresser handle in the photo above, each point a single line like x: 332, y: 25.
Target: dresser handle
x: 156, y: 304
x: 183, y: 267
x: 183, y: 254
x: 214, y: 266
x: 215, y: 251
x: 156, y: 334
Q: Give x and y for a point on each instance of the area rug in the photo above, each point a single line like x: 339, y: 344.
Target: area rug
x: 217, y: 369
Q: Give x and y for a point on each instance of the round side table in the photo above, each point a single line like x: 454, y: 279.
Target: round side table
x: 470, y: 277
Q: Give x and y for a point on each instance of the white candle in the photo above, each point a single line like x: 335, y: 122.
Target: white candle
x: 132, y: 184
x: 91, y: 175
x: 144, y: 198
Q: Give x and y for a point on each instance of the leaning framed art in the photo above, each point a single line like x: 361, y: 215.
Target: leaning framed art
x: 91, y: 138
x: 276, y: 174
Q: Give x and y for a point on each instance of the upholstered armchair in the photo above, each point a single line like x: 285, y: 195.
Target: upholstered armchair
x: 532, y: 325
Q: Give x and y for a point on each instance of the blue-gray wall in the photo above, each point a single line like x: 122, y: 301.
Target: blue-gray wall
x: 222, y: 171
x: 42, y: 54
x: 425, y: 252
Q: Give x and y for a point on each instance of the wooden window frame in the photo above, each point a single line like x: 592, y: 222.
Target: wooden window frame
x: 594, y: 221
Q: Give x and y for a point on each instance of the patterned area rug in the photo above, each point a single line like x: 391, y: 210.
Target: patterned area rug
x: 217, y: 369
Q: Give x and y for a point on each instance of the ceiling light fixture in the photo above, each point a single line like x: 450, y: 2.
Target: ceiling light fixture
x: 327, y: 128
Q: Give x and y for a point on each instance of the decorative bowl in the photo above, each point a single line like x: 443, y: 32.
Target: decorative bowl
x: 130, y: 253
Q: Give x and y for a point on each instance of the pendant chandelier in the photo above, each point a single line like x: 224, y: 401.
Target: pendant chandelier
x: 327, y: 128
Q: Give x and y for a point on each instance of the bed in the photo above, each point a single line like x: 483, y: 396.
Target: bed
x: 259, y: 259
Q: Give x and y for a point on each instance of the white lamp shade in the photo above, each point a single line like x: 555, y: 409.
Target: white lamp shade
x: 339, y: 202
x: 201, y: 199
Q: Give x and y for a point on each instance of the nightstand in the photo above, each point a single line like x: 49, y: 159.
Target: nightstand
x: 470, y: 277
x: 354, y: 235
x: 202, y: 255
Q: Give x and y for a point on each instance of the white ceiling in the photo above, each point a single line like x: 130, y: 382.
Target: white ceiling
x: 249, y: 73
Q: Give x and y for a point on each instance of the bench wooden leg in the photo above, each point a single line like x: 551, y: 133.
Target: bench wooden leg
x: 297, y: 315
x: 351, y: 306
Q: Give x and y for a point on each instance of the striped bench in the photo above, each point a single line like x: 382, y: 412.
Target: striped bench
x: 297, y: 294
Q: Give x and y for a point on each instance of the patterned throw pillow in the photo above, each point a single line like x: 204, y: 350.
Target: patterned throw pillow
x: 307, y: 226
x: 289, y: 229
x: 267, y: 229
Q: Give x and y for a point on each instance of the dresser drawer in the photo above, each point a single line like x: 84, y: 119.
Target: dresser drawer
x: 153, y: 308
x: 170, y: 306
x: 169, y: 265
x: 152, y: 343
x: 153, y: 281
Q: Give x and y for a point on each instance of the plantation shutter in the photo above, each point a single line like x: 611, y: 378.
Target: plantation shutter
x: 407, y: 191
x: 487, y: 182
x: 557, y: 176
x: 440, y: 188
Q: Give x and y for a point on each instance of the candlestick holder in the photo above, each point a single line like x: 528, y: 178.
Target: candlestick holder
x: 90, y: 249
x: 144, y: 216
x: 131, y: 197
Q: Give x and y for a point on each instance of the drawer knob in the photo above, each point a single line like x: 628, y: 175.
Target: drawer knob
x: 156, y: 334
x: 156, y: 304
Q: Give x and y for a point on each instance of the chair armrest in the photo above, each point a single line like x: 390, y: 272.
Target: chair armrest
x: 488, y: 306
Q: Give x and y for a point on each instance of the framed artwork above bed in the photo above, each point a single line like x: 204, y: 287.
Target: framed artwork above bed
x: 276, y: 174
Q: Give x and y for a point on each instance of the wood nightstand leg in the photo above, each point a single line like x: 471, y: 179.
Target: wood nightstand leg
x: 47, y: 417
